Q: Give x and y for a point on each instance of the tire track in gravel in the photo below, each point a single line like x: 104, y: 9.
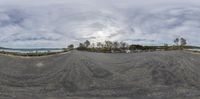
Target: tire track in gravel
x: 151, y: 75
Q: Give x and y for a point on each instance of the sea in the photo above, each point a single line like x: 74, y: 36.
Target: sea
x: 37, y: 50
x: 194, y: 50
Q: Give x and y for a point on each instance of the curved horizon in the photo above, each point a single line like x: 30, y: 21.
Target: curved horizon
x: 49, y: 23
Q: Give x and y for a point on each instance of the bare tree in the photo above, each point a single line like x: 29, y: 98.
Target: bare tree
x: 183, y: 41
x: 116, y: 45
x: 123, y: 45
x: 81, y: 45
x: 93, y: 45
x: 108, y: 44
x: 87, y: 43
x: 176, y: 41
x: 99, y: 44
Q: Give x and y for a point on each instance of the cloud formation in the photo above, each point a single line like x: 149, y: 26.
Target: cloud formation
x: 25, y: 23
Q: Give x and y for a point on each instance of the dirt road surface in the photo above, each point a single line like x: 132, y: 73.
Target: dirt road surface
x: 85, y: 75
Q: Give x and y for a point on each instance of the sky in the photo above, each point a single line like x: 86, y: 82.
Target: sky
x: 58, y: 23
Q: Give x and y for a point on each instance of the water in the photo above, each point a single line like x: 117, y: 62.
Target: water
x: 194, y: 50
x: 33, y: 50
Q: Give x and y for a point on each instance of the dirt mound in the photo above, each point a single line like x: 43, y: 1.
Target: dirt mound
x: 150, y: 75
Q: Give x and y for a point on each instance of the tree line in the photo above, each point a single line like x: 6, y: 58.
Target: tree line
x: 115, y: 46
x: 106, y: 46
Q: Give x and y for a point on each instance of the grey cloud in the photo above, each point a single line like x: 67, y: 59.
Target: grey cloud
x: 58, y: 23
x: 84, y: 38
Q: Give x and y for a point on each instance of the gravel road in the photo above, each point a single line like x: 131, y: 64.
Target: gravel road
x: 85, y: 75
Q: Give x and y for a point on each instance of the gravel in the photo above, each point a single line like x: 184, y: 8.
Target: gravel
x: 86, y: 75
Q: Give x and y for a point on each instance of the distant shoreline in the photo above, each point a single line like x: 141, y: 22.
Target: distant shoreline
x: 38, y: 52
x: 32, y: 53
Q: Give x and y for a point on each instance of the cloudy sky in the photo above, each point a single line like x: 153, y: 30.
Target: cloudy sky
x: 57, y: 23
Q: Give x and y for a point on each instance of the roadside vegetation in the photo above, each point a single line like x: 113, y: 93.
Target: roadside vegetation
x: 124, y: 47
